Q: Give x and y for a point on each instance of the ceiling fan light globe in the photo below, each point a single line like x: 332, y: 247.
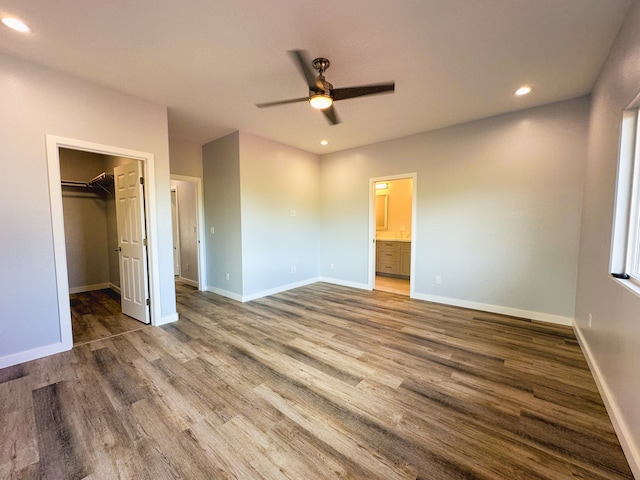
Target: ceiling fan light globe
x: 320, y: 101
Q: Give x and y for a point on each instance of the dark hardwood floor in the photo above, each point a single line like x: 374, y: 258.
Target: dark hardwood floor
x: 98, y: 314
x: 317, y: 382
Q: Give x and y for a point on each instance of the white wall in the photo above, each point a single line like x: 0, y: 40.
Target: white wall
x: 613, y: 341
x: 37, y: 101
x: 498, y: 209
x: 276, y: 180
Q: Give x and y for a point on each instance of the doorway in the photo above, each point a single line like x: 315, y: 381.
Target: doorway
x: 175, y: 228
x: 188, y: 226
x: 104, y: 237
x: 392, y: 214
x: 147, y: 262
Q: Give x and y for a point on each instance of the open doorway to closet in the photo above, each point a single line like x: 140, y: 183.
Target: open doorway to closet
x: 392, y: 205
x: 145, y: 163
x: 105, y: 243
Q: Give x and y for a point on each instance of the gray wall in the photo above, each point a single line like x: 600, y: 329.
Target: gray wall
x: 276, y: 179
x: 251, y: 186
x: 37, y: 101
x: 498, y: 208
x: 498, y: 211
x: 186, y: 157
x: 91, y: 230
x: 221, y: 186
x: 613, y: 341
x: 85, y: 221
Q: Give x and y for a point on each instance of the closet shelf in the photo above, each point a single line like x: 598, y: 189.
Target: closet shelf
x: 104, y: 181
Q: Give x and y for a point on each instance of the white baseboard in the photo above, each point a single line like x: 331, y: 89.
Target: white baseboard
x: 225, y: 293
x: 263, y: 293
x: 629, y: 447
x: 188, y: 281
x: 34, y: 354
x: 345, y: 283
x: 485, y: 307
x: 167, y: 319
x: 282, y: 288
x: 115, y: 288
x: 89, y: 288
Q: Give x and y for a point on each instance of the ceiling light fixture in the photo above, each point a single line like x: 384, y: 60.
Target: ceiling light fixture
x: 324, y: 142
x: 15, y: 24
x: 524, y: 90
x: 382, y: 186
x: 320, y: 101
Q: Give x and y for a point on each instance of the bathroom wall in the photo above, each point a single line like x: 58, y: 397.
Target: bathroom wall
x: 398, y: 210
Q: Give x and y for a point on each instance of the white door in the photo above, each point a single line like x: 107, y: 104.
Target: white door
x: 132, y: 240
x: 176, y: 231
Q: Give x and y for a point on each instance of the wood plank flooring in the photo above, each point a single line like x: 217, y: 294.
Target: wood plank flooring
x: 98, y: 314
x: 317, y: 382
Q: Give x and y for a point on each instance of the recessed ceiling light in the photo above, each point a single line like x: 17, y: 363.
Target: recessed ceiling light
x: 524, y: 90
x: 324, y: 142
x: 15, y: 24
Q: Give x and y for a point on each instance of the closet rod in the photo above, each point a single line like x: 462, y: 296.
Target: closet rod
x: 97, y: 181
x: 71, y: 183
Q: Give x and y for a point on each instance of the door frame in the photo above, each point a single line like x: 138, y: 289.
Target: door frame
x: 175, y: 230
x: 53, y: 145
x: 202, y: 273
x: 372, y: 226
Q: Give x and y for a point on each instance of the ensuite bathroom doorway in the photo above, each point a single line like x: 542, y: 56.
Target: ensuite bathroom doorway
x: 394, y: 234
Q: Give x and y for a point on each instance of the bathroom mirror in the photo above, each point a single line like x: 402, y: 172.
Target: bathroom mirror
x: 382, y: 203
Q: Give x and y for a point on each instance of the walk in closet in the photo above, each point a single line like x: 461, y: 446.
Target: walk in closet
x: 89, y: 220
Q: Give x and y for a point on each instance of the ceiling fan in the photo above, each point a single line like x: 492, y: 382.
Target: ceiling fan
x: 321, y: 93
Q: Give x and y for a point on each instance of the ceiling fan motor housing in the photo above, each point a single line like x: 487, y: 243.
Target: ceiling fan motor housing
x: 320, y: 64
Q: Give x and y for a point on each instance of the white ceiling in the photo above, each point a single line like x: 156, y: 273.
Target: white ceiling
x: 210, y: 61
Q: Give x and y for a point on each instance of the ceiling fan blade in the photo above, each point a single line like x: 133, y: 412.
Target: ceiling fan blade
x: 282, y: 102
x: 304, y: 65
x: 331, y: 115
x: 352, y: 92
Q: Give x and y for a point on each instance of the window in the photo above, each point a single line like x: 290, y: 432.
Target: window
x: 625, y: 254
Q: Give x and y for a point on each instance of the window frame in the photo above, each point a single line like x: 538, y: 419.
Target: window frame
x: 625, y: 245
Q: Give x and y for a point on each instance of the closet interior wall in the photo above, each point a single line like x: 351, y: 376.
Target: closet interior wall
x: 89, y: 222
